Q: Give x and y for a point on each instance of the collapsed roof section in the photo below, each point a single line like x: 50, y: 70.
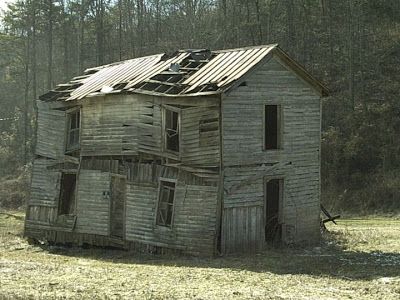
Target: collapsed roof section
x: 185, y: 73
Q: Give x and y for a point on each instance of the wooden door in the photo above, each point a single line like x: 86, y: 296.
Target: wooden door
x: 117, y: 207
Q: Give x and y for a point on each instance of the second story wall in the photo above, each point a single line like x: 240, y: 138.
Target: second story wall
x: 290, y: 155
x: 243, y: 117
x: 135, y: 125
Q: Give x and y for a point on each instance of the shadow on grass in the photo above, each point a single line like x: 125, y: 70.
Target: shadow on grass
x: 330, y: 259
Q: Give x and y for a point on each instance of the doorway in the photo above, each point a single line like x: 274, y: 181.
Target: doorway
x: 273, y: 206
x: 117, y: 207
x: 66, y: 203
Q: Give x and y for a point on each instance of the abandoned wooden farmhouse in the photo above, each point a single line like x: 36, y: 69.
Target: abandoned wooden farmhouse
x: 200, y: 152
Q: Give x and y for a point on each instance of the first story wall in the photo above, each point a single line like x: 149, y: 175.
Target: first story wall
x: 244, y: 205
x: 195, y: 225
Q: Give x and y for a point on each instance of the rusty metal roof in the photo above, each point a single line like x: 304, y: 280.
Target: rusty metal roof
x: 185, y: 73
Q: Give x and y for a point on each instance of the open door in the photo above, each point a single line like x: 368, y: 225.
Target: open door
x: 117, y: 206
x: 273, y: 204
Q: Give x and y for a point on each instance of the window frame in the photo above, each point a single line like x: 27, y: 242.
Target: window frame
x: 68, y: 130
x: 280, y: 123
x: 160, y: 181
x: 177, y: 110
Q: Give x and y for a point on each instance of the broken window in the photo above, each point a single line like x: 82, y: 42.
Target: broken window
x: 165, y: 207
x: 73, y: 130
x: 67, y: 194
x: 171, y: 129
x: 272, y: 127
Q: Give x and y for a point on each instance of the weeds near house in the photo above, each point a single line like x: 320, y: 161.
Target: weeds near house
x: 357, y: 259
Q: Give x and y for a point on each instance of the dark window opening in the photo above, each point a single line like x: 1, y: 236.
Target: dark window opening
x: 67, y: 194
x: 171, y: 130
x: 73, y: 130
x: 273, y: 196
x: 165, y: 203
x: 272, y: 126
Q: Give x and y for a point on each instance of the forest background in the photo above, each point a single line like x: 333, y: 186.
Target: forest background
x: 353, y: 46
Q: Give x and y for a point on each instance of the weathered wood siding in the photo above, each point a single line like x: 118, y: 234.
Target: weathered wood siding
x: 93, y: 202
x: 50, y: 131
x: 243, y: 156
x: 131, y: 125
x: 105, y: 125
x: 45, y: 191
x: 200, y: 136
x: 194, y: 226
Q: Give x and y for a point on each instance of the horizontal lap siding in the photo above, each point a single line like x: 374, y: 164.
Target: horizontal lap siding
x: 298, y: 162
x: 200, y: 147
x: 50, y: 131
x: 45, y: 190
x: 106, y: 126
x: 93, y: 202
x: 195, y: 218
x: 45, y: 185
x: 194, y: 225
x: 149, y: 128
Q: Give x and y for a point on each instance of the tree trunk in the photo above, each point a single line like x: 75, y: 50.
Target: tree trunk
x: 50, y: 45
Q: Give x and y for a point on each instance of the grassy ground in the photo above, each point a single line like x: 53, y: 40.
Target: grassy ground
x: 359, y: 259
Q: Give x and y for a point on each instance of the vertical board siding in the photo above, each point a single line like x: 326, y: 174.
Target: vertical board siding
x: 50, y: 131
x: 93, y: 202
x: 298, y: 162
x: 243, y: 229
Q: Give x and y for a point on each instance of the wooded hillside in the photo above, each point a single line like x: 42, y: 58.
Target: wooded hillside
x: 351, y: 45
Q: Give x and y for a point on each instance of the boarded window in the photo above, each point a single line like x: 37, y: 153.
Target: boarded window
x: 67, y: 194
x: 272, y: 127
x: 165, y: 208
x: 73, y: 130
x: 171, y: 130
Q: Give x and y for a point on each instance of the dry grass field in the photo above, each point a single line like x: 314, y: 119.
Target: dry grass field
x: 358, y: 259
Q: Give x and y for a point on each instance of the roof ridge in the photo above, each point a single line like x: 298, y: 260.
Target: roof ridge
x: 247, y: 48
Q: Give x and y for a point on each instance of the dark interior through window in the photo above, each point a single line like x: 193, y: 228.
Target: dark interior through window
x: 67, y: 194
x: 73, y: 130
x: 271, y: 130
x: 171, y: 130
x: 166, y: 203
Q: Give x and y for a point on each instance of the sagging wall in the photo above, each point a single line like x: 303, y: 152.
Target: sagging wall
x: 131, y: 125
x: 41, y: 212
x: 247, y: 165
x: 194, y: 226
x: 93, y: 202
x: 115, y: 128
x: 45, y: 190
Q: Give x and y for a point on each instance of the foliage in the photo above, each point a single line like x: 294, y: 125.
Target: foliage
x: 353, y: 46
